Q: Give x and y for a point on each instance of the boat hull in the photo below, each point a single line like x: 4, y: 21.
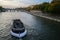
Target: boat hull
x: 19, y: 35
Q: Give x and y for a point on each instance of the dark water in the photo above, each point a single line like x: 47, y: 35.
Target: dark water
x: 38, y: 28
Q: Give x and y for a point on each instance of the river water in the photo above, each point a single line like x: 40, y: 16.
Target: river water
x: 38, y: 28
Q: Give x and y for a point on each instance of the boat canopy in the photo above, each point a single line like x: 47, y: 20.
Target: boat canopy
x: 17, y: 23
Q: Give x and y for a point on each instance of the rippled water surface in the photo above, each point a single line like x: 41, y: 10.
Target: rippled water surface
x: 38, y: 28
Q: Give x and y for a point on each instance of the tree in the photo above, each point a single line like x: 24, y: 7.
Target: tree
x: 36, y: 7
x: 54, y: 8
x: 0, y: 8
x: 44, y: 7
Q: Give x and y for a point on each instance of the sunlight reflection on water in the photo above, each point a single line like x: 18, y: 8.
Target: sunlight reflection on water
x: 38, y: 28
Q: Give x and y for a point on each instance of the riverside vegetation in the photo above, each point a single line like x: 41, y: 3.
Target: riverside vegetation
x: 2, y: 9
x: 46, y: 7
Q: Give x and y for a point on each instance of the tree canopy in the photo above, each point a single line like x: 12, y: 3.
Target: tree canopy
x: 53, y: 7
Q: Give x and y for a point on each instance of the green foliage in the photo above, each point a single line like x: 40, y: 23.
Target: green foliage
x: 53, y: 7
x: 36, y: 7
x: 1, y: 9
x: 44, y: 7
x: 28, y: 8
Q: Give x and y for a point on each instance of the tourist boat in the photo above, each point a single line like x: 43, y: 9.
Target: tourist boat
x: 18, y: 29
